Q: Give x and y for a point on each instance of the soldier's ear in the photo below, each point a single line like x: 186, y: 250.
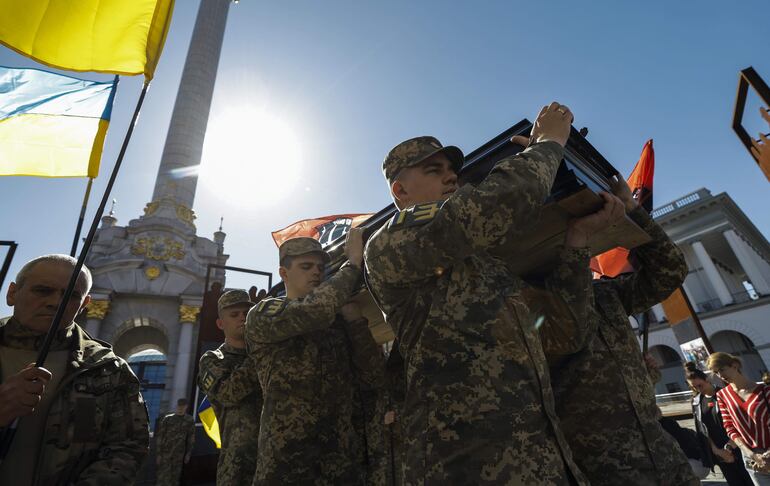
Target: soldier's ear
x: 399, y: 192
x: 220, y: 324
x: 10, y: 296
x: 282, y: 272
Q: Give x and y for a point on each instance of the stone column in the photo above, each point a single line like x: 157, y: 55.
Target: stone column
x: 725, y: 297
x: 188, y: 315
x: 184, y: 142
x: 95, y: 313
x: 742, y: 252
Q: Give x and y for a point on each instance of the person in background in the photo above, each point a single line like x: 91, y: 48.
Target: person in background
x: 175, y: 436
x: 315, y: 359
x: 712, y: 437
x: 745, y: 413
x: 229, y: 378
x: 604, y: 394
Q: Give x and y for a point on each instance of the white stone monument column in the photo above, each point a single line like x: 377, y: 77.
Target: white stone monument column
x: 188, y: 316
x: 741, y: 250
x: 184, y: 142
x: 725, y: 297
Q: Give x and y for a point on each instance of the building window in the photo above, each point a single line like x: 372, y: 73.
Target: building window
x: 150, y: 368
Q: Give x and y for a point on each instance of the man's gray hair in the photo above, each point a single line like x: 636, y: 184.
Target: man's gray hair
x: 84, y: 279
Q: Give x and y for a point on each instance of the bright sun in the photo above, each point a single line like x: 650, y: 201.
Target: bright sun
x: 250, y: 157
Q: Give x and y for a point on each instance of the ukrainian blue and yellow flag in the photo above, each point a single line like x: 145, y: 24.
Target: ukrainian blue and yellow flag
x: 52, y: 125
x: 209, y: 421
x: 107, y: 36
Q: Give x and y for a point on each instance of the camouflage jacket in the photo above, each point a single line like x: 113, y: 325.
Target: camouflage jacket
x: 310, y: 363
x: 97, y: 427
x: 604, y: 396
x: 229, y: 378
x: 175, y: 439
x: 478, y: 402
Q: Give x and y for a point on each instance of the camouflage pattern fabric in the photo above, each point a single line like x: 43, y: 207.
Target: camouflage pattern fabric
x: 97, y: 432
x: 231, y: 298
x: 301, y: 245
x: 229, y: 378
x: 478, y: 405
x: 604, y: 396
x: 413, y: 151
x: 176, y: 435
x: 310, y: 363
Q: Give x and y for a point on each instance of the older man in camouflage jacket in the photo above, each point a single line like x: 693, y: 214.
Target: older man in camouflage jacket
x: 82, y: 418
x: 604, y: 396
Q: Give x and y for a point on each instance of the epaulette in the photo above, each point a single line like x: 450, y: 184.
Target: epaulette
x: 271, y: 307
x: 417, y: 215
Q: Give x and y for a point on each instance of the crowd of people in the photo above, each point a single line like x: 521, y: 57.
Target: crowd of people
x: 491, y: 378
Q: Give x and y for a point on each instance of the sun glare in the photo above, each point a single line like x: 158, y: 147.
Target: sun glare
x: 250, y: 157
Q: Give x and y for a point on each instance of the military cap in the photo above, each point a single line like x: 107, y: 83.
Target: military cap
x: 413, y: 151
x: 233, y: 297
x: 301, y: 246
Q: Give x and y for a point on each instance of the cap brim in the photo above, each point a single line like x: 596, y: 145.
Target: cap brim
x: 454, y: 154
x: 323, y: 254
x: 247, y: 302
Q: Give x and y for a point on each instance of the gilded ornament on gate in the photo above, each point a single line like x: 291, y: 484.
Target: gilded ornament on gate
x: 152, y: 272
x: 97, y: 309
x: 188, y: 313
x: 158, y: 248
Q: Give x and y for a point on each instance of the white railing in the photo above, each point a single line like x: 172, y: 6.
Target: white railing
x: 681, y: 202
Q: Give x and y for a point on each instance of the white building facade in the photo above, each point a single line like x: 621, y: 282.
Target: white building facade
x: 728, y: 284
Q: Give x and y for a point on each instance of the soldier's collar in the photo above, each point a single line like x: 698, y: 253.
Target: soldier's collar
x: 232, y: 349
x: 16, y: 335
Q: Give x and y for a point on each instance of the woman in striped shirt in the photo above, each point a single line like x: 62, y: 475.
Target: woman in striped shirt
x: 745, y: 414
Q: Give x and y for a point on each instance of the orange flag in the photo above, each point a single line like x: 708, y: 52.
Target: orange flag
x: 614, y: 262
x: 325, y: 229
x: 676, y: 308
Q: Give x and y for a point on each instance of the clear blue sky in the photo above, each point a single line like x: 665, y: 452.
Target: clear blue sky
x: 351, y: 79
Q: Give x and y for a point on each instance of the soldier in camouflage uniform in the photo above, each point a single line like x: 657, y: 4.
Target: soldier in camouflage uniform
x: 82, y: 419
x: 478, y: 406
x: 605, y: 399
x: 228, y: 376
x: 312, y: 351
x: 175, y: 439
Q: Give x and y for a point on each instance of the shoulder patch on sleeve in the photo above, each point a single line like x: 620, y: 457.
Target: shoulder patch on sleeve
x: 207, y: 380
x: 415, y: 216
x: 271, y: 307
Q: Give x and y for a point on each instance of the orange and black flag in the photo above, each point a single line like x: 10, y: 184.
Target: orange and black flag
x: 615, y: 262
x: 325, y: 229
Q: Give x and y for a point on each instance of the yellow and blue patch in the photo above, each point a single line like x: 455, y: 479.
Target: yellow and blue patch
x: 209, y: 420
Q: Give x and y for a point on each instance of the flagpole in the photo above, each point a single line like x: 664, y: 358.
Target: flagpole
x: 79, y: 226
x: 9, y: 432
